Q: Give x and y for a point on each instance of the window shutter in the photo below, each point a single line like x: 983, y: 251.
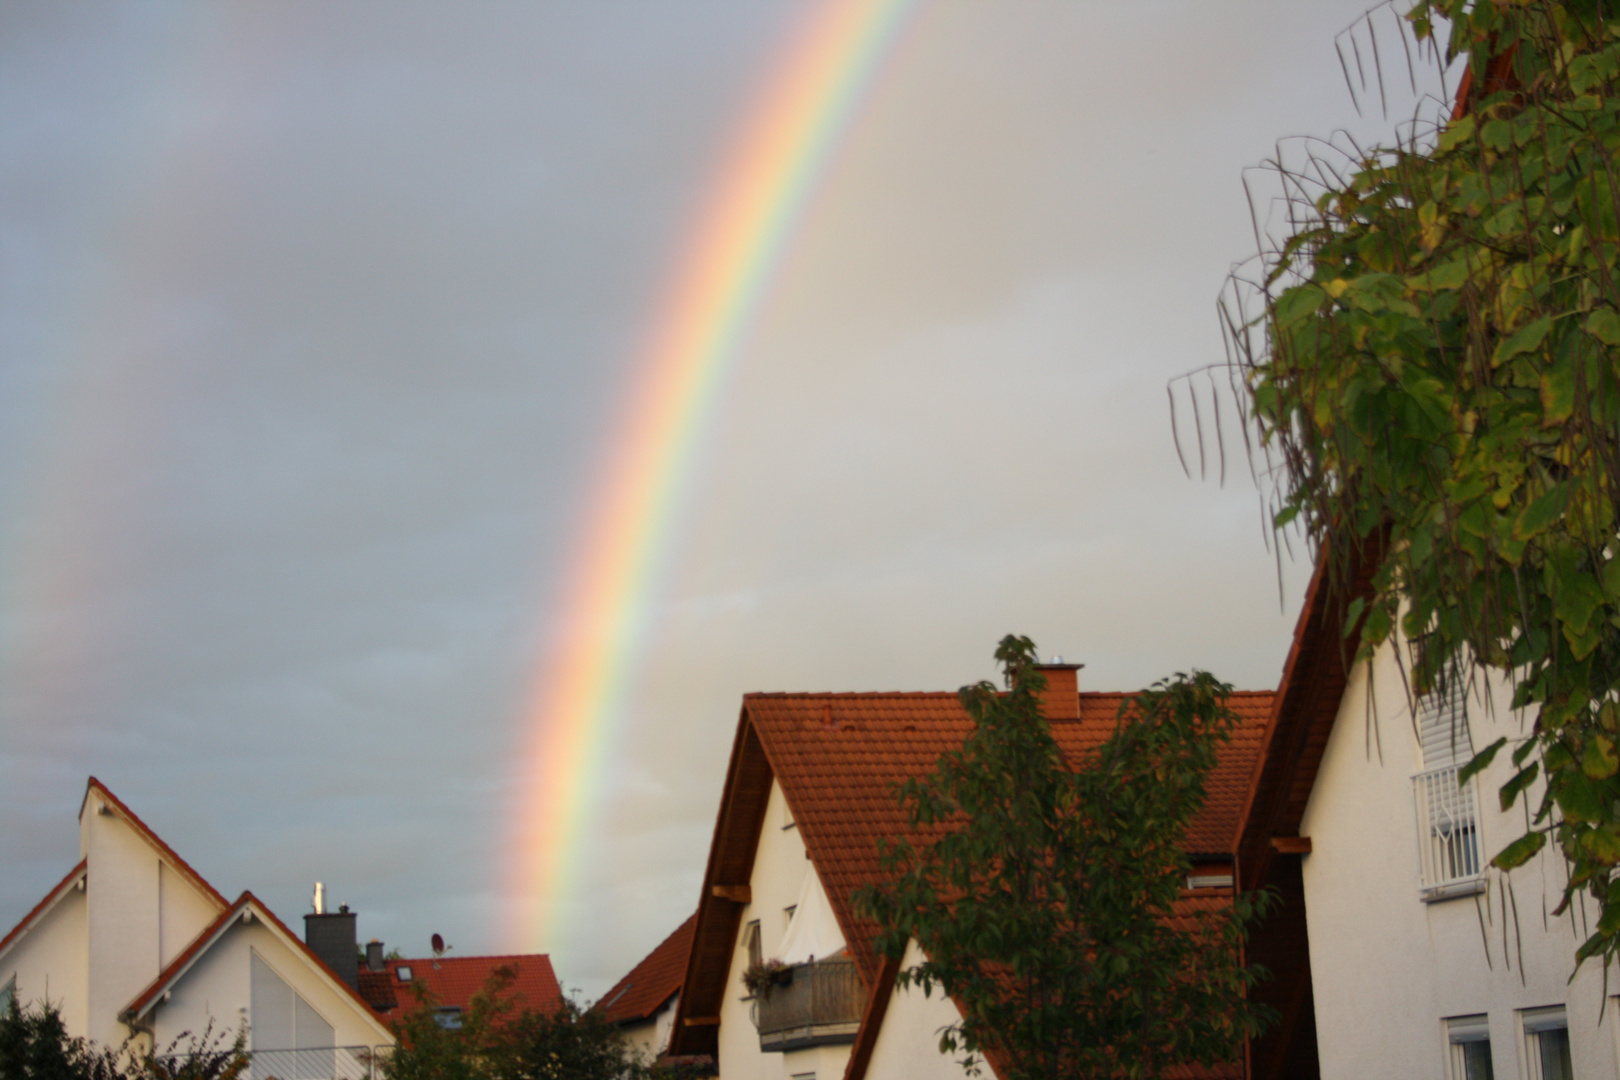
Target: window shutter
x: 1443, y: 724
x: 272, y: 1009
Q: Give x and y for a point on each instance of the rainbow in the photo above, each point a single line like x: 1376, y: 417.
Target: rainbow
x: 577, y: 704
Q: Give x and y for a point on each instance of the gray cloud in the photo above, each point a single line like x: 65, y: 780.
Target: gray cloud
x: 313, y: 321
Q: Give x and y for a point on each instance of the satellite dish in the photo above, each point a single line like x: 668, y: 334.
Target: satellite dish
x: 438, y: 945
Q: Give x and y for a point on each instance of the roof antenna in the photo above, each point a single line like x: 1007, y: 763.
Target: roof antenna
x: 439, y: 949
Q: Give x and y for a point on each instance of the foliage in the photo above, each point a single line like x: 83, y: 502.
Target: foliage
x: 498, y: 1041
x: 35, y: 1045
x: 761, y: 975
x: 1045, y: 898
x: 1441, y: 382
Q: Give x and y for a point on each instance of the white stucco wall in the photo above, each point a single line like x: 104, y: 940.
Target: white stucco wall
x: 1386, y: 967
x: 780, y: 866
x: 184, y: 911
x: 123, y: 918
x: 650, y: 1038
x: 140, y: 914
x: 51, y: 960
x: 218, y: 986
x: 908, y: 1045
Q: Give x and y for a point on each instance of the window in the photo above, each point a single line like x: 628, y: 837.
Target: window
x: 290, y: 1038
x: 756, y: 954
x: 1450, y: 862
x: 1443, y: 721
x: 1209, y: 877
x: 1546, y: 1044
x: 1469, y: 1052
x: 448, y: 1017
x: 403, y: 972
x: 8, y: 993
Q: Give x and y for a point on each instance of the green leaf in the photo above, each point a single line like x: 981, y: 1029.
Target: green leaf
x: 1352, y: 615
x: 1579, y: 798
x: 1578, y: 598
x: 1451, y: 275
x: 1600, y: 762
x: 1521, y: 780
x: 1480, y: 761
x: 1520, y: 851
x: 1457, y: 132
x: 1557, y: 395
x: 1601, y: 845
x: 1525, y: 338
x: 1604, y: 324
x: 1541, y: 512
x: 1298, y: 304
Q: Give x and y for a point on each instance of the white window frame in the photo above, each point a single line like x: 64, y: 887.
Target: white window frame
x: 1461, y: 1031
x: 1451, y: 851
x: 752, y: 943
x: 1533, y: 1024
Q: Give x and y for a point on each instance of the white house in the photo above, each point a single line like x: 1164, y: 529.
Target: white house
x: 808, y: 794
x: 134, y: 945
x: 1422, y: 961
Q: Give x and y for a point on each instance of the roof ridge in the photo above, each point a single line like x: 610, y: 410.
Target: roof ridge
x: 152, y: 838
x: 463, y: 959
x: 848, y: 693
x: 942, y: 695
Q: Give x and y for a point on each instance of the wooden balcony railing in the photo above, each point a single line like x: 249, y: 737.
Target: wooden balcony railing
x: 820, y: 1004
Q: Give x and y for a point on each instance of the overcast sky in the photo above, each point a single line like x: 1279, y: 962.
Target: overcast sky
x: 314, y: 321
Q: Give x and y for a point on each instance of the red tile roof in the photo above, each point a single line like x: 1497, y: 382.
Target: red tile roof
x: 56, y: 893
x: 837, y: 758
x: 651, y: 983
x: 377, y: 988
x: 454, y: 981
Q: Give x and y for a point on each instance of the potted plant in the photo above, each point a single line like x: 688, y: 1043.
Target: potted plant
x: 761, y: 976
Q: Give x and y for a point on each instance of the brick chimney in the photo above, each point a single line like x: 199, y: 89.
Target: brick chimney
x: 1061, y: 698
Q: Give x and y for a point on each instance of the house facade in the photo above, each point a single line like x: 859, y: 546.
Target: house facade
x: 1423, y: 961
x: 808, y: 796
x: 134, y: 945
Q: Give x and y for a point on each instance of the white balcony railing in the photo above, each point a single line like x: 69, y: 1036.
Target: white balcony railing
x: 325, y: 1063
x: 1449, y: 850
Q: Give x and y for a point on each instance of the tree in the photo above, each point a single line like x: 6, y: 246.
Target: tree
x: 35, y: 1045
x: 1439, y: 379
x: 1044, y: 897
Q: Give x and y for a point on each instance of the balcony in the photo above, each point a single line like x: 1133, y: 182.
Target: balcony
x: 324, y: 1063
x: 1449, y: 862
x: 817, y: 1004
